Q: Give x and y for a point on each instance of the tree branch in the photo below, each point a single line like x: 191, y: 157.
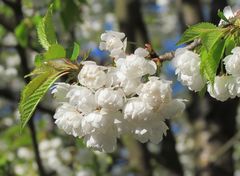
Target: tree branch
x: 170, y: 55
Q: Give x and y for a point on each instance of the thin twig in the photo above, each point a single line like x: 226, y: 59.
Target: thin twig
x: 170, y: 55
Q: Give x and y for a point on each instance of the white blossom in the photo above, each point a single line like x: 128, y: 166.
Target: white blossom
x: 187, y: 64
x: 234, y: 86
x: 60, y: 90
x: 219, y: 89
x: 109, y: 99
x: 136, y: 108
x: 92, y: 75
x: 232, y: 62
x: 114, y: 43
x: 100, y: 131
x: 141, y: 52
x: 82, y: 98
x: 134, y: 66
x: 228, y: 13
x: 152, y: 130
x: 156, y: 92
x: 69, y: 119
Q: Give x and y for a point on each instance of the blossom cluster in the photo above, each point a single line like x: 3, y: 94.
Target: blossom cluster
x: 226, y: 86
x: 109, y: 101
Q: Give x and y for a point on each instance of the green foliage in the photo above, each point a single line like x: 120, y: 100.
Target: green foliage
x: 33, y: 93
x: 45, y: 30
x: 210, y: 60
x: 195, y: 31
x: 55, y: 51
x: 222, y: 16
x: 208, y: 39
x: 73, y: 53
x: 230, y: 44
x: 21, y: 33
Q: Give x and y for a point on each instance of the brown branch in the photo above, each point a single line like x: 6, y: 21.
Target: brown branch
x: 170, y: 55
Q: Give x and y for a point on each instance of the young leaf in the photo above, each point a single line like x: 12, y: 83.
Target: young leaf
x: 195, y: 31
x: 33, y: 93
x: 73, y: 53
x: 210, y: 60
x: 39, y: 59
x: 45, y: 30
x: 222, y: 16
x: 230, y: 44
x: 208, y: 39
x: 55, y: 51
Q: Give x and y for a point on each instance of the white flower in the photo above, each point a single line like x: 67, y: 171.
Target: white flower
x: 82, y: 98
x: 135, y: 108
x: 113, y: 42
x: 116, y: 79
x: 219, y: 89
x: 156, y: 92
x: 152, y: 130
x: 228, y: 13
x: 141, y: 52
x: 69, y: 119
x: 100, y: 131
x: 105, y: 142
x: 110, y: 99
x: 134, y: 66
x: 129, y: 85
x: 234, y: 86
x: 232, y: 62
x: 60, y: 90
x: 172, y: 109
x: 187, y: 64
x: 92, y: 75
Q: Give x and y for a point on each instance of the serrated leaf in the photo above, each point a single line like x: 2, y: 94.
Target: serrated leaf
x: 208, y: 39
x: 195, y: 31
x: 230, y: 44
x: 39, y: 59
x: 55, y: 51
x: 210, y: 60
x: 45, y: 30
x: 73, y: 53
x: 222, y: 16
x: 33, y: 93
x: 21, y: 33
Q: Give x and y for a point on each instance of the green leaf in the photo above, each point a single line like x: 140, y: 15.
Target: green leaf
x: 55, y: 51
x: 45, y: 30
x: 208, y: 39
x: 73, y: 53
x: 230, y: 44
x: 210, y: 60
x: 195, y: 31
x: 21, y: 33
x: 33, y: 93
x: 39, y: 59
x: 222, y: 16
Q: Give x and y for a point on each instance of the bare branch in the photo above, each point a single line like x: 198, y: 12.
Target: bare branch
x: 170, y: 55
